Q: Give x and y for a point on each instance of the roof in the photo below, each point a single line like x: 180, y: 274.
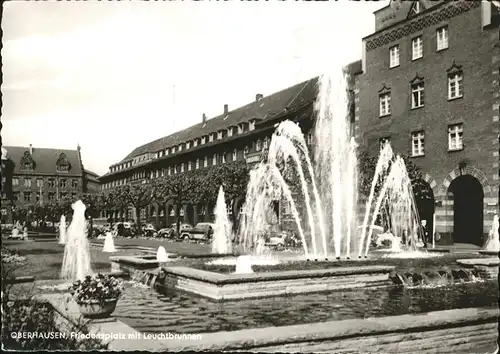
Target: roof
x: 265, y: 107
x: 90, y: 173
x: 45, y: 160
x: 270, y: 106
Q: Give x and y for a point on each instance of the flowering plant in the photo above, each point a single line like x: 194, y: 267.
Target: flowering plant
x: 9, y: 257
x: 96, y: 289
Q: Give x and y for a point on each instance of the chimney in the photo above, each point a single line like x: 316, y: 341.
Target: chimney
x: 226, y: 109
x: 31, y: 149
x: 258, y: 97
x: 204, y: 118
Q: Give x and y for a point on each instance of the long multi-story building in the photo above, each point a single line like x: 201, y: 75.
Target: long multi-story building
x: 32, y: 175
x: 431, y: 85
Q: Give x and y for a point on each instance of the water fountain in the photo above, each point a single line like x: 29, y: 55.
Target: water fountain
x: 109, y: 244
x: 162, y: 255
x: 62, y: 230
x: 327, y: 190
x: 76, y: 261
x: 222, y: 237
x: 493, y: 241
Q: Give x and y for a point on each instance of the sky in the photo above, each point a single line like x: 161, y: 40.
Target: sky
x: 111, y: 76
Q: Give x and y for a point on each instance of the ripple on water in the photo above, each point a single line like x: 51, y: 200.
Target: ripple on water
x: 148, y: 311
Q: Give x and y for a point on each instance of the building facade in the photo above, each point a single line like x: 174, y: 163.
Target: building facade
x: 32, y: 176
x: 431, y: 85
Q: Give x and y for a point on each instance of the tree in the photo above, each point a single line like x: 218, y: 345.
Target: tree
x: 179, y: 188
x: 233, y: 177
x: 139, y: 196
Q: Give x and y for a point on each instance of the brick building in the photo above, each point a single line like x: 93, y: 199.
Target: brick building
x: 431, y: 85
x: 32, y: 175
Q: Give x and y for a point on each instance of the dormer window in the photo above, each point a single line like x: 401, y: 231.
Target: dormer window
x: 195, y: 142
x: 62, y: 164
x: 203, y: 140
x: 180, y: 147
x: 251, y: 125
x: 230, y: 132
x: 415, y: 8
x: 240, y: 128
x: 220, y: 135
x: 188, y: 145
x: 27, y: 162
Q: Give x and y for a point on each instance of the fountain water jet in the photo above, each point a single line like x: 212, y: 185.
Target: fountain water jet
x: 109, y: 244
x: 62, y: 230
x: 161, y: 254
x: 222, y: 237
x: 493, y: 242
x: 76, y: 261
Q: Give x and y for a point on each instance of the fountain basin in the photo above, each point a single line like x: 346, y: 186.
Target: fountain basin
x: 137, y: 264
x: 219, y: 286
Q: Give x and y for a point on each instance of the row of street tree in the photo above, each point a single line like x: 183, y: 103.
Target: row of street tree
x: 195, y: 186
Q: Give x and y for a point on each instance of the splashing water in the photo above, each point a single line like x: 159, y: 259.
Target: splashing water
x: 326, y: 191
x: 76, y: 261
x: 162, y: 255
x: 62, y: 230
x: 109, y: 244
x: 222, y: 237
x: 493, y: 242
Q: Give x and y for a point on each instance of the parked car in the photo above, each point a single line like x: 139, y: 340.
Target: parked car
x: 148, y: 230
x: 183, y: 226
x: 166, y: 232
x: 125, y: 229
x: 277, y: 240
x: 203, y: 231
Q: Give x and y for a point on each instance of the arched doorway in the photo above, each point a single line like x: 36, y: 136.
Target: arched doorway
x: 468, y: 215
x: 425, y: 202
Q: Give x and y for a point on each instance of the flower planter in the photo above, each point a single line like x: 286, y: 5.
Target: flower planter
x: 98, y: 309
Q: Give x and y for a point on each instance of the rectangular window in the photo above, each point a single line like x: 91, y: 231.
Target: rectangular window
x: 235, y: 154
x: 74, y: 183
x: 455, y: 86
x: 169, y: 170
x: 383, y: 141
x: 417, y: 144
x: 27, y: 182
x: 214, y: 160
x: 455, y: 137
x: 27, y: 196
x: 52, y: 183
x: 15, y: 182
x: 394, y: 56
x: 442, y: 38
x: 62, y: 183
x: 39, y: 183
x: 182, y: 167
x: 385, y: 104
x: 246, y: 150
x: 16, y: 195
x: 417, y: 95
x: 223, y: 157
x: 190, y: 166
x: 205, y: 161
x: 197, y: 164
x: 417, y: 48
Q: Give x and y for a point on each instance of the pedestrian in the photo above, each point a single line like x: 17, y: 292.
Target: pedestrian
x: 25, y: 232
x: 425, y: 236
